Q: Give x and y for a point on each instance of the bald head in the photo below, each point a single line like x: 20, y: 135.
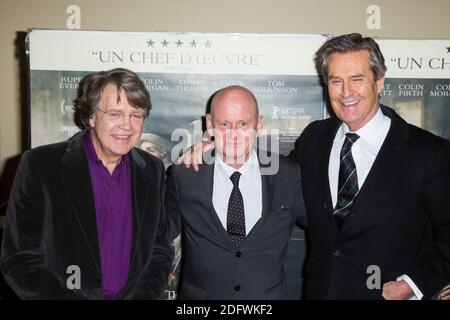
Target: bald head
x: 235, y: 94
x: 234, y: 121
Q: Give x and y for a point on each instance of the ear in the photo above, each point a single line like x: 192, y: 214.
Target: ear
x: 380, y: 84
x: 92, y: 121
x: 209, y: 121
x: 209, y: 125
x: 260, y: 124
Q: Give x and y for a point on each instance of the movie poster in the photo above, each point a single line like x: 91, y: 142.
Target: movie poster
x: 417, y: 82
x: 181, y: 71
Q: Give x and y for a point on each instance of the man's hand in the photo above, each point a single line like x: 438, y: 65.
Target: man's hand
x: 444, y: 294
x: 193, y: 156
x: 172, y: 278
x: 397, y: 290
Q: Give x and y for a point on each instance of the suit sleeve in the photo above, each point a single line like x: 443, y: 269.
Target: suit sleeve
x: 301, y: 221
x: 22, y: 259
x: 432, y: 270
x: 297, y: 153
x: 154, y: 280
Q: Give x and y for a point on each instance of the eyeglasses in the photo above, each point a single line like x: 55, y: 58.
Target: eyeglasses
x: 118, y: 115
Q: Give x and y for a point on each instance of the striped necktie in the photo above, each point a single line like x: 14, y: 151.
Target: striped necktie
x: 348, y: 180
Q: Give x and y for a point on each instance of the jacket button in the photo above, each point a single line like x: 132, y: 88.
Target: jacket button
x: 237, y: 288
x: 337, y: 253
x: 98, y: 282
x: 238, y: 254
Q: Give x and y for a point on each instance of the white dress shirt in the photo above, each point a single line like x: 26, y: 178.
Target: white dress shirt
x: 249, y: 185
x: 364, y: 152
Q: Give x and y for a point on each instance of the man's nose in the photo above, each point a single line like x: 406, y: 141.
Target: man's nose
x: 346, y: 89
x: 236, y: 134
x: 126, y: 120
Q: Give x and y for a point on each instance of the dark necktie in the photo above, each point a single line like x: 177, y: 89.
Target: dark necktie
x: 348, y: 180
x: 235, y: 213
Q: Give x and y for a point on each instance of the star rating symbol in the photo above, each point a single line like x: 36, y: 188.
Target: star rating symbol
x: 165, y: 43
x: 179, y: 43
x: 208, y: 44
x: 448, y: 49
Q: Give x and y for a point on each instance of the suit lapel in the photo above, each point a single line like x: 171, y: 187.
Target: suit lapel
x: 267, y: 187
x: 77, y: 182
x: 267, y: 194
x: 140, y: 188
x: 324, y: 164
x: 324, y: 160
x: 207, y: 176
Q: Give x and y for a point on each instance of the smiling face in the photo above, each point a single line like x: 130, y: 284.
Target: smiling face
x: 235, y: 122
x: 114, y: 138
x: 352, y: 89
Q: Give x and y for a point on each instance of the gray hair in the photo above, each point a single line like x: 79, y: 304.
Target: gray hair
x: 350, y: 43
x: 92, y: 86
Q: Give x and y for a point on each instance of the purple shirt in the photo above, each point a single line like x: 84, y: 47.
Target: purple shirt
x: 112, y: 198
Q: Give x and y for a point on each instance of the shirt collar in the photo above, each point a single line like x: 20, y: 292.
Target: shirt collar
x: 244, y: 170
x: 372, y: 132
x: 91, y: 154
x: 89, y: 147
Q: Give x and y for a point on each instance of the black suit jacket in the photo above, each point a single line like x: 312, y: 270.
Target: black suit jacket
x: 213, y: 267
x: 400, y: 220
x: 51, y: 224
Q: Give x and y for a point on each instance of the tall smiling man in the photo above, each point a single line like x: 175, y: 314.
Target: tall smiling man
x: 377, y: 190
x: 85, y: 217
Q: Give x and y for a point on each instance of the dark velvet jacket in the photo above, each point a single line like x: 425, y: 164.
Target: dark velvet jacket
x: 51, y: 225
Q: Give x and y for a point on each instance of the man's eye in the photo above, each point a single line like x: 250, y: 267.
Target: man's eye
x: 115, y: 113
x: 137, y: 116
